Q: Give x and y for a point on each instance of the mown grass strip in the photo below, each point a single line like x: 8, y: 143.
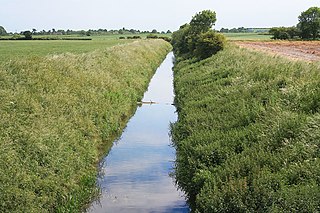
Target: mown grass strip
x: 56, y: 114
x: 247, y: 137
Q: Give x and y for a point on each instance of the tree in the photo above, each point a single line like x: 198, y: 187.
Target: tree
x: 34, y: 31
x: 2, y: 31
x: 203, y: 21
x: 27, y: 35
x: 197, y: 40
x: 154, y: 31
x: 309, y: 23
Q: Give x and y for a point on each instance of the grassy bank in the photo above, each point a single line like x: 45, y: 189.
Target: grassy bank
x: 247, y: 137
x: 57, y: 112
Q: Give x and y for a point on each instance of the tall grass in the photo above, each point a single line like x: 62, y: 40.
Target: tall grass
x: 247, y: 137
x: 57, y: 112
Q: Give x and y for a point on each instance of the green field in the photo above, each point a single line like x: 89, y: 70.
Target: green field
x: 58, y: 111
x: 246, y: 36
x: 11, y: 50
x: 247, y: 137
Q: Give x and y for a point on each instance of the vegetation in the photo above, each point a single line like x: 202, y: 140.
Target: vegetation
x: 284, y: 33
x: 197, y: 40
x: 309, y: 23
x: 244, y: 30
x: 14, y: 50
x: 247, y: 136
x: 246, y: 36
x: 3, y: 32
x: 307, y: 28
x: 57, y: 112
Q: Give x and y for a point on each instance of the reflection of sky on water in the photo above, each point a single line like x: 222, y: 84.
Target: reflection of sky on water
x: 136, y: 170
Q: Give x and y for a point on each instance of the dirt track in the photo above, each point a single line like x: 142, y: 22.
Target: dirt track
x: 298, y: 50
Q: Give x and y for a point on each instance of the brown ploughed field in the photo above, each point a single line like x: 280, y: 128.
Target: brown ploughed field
x: 298, y: 50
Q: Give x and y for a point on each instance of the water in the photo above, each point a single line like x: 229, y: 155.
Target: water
x: 136, y: 171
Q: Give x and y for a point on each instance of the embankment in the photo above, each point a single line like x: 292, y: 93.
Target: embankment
x: 247, y: 137
x: 56, y: 114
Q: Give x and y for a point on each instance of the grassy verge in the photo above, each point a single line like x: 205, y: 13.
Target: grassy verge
x: 57, y: 112
x: 247, y: 137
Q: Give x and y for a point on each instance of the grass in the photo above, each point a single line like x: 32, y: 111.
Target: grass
x: 246, y: 36
x: 57, y: 111
x: 247, y: 137
x: 12, y: 50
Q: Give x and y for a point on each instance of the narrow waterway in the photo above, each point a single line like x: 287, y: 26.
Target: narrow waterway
x: 136, y: 172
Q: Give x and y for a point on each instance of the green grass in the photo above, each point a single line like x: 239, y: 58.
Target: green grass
x: 246, y: 36
x: 57, y: 114
x: 247, y: 137
x: 12, y: 50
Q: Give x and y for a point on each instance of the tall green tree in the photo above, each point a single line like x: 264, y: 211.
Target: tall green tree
x: 309, y: 23
x: 2, y: 31
x: 203, y: 21
x: 197, y: 39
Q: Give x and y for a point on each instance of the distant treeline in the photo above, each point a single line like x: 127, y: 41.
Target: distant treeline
x: 307, y: 28
x: 244, y: 30
x: 45, y: 38
x: 89, y: 32
x: 150, y: 36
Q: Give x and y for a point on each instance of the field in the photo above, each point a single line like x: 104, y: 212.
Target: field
x: 61, y: 112
x: 11, y: 50
x: 247, y: 137
x: 303, y: 50
x: 246, y: 36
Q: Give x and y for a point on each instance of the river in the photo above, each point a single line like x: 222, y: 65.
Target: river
x: 136, y: 172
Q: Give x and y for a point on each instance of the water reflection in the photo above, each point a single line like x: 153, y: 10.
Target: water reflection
x: 136, y: 170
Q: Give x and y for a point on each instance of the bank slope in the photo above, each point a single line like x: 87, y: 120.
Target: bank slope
x: 247, y: 137
x: 57, y: 113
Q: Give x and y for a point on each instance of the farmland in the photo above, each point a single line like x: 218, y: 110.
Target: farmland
x: 247, y: 137
x: 60, y: 111
x: 10, y: 50
x: 303, y: 50
x: 246, y: 36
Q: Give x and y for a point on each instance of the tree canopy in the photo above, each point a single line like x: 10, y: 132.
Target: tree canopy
x: 196, y: 39
x: 2, y: 31
x: 309, y: 23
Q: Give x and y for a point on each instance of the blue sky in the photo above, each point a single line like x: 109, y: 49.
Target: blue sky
x: 18, y: 15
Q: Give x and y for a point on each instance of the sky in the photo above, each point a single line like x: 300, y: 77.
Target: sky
x: 163, y: 15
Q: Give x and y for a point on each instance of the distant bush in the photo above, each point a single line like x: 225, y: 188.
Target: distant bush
x: 136, y: 37
x: 122, y: 37
x: 284, y: 33
x: 152, y: 36
x: 27, y: 35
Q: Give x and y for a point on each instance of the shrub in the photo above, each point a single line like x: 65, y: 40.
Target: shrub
x: 152, y: 36
x: 284, y: 33
x: 208, y: 44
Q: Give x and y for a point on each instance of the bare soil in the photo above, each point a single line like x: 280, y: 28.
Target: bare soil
x: 297, y: 50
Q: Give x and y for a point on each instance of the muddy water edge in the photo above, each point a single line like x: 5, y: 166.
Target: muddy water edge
x: 135, y: 175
